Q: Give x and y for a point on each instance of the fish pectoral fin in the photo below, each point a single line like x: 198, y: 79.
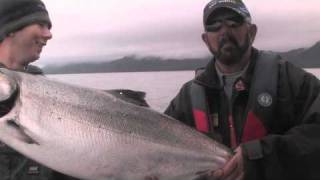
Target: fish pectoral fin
x: 17, y: 131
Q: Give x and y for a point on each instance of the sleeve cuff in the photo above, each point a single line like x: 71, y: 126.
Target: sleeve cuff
x: 253, y: 150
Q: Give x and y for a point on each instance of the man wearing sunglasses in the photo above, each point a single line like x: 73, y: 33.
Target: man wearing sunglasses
x: 264, y: 108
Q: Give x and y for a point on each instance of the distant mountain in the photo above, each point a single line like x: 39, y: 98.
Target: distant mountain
x: 303, y: 57
x: 129, y: 64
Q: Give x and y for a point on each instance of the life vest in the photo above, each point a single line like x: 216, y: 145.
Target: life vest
x: 261, y: 103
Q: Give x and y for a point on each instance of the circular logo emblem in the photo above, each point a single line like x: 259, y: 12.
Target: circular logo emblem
x: 265, y: 99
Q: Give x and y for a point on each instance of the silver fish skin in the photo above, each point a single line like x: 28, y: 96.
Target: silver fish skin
x: 91, y: 134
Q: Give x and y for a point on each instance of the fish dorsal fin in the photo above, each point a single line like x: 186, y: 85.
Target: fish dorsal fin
x: 131, y: 96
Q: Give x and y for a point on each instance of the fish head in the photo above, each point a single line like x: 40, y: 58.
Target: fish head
x: 9, y: 92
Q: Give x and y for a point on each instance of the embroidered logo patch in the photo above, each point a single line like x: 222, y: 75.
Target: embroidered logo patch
x: 240, y: 86
x: 265, y: 99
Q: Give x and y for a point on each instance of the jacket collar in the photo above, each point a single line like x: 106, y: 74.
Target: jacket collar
x: 210, y: 78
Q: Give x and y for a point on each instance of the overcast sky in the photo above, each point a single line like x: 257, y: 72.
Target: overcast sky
x: 167, y: 28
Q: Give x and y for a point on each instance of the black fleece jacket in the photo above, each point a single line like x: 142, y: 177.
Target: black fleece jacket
x: 291, y: 149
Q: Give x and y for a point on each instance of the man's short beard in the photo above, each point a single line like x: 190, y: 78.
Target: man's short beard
x: 236, y: 54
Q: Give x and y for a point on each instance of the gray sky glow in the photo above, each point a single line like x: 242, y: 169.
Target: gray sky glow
x: 167, y: 28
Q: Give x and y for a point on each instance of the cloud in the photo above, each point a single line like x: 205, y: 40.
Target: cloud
x: 169, y: 28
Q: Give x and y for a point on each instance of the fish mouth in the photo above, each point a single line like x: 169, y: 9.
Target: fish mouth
x: 9, y: 93
x: 19, y: 133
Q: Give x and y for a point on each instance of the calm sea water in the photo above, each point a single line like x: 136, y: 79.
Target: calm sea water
x: 160, y: 87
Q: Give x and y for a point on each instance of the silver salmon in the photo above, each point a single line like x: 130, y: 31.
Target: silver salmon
x: 91, y: 134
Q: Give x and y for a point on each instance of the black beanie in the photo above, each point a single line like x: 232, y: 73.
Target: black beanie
x: 16, y: 14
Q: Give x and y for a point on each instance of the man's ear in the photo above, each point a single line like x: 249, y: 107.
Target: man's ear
x: 205, y: 38
x: 253, y: 32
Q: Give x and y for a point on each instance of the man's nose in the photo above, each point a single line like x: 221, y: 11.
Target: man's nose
x: 46, y: 33
x: 224, y: 30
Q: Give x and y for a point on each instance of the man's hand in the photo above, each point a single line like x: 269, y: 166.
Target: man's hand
x: 233, y: 170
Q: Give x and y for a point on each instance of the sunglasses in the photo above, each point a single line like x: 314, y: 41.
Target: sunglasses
x: 231, y: 22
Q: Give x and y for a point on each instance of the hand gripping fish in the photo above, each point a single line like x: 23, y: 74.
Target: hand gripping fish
x: 91, y: 134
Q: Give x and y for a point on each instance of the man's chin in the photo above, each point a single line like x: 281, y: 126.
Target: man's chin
x: 228, y: 59
x: 226, y: 55
x: 34, y: 58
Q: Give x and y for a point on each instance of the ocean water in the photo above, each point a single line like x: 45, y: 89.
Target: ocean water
x: 160, y: 87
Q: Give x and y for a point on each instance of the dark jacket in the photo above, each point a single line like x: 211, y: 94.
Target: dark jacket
x: 15, y: 166
x: 291, y: 148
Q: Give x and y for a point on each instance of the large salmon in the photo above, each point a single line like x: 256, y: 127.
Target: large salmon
x: 91, y: 134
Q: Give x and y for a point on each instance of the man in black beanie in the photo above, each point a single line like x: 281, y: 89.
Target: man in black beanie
x: 24, y: 31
